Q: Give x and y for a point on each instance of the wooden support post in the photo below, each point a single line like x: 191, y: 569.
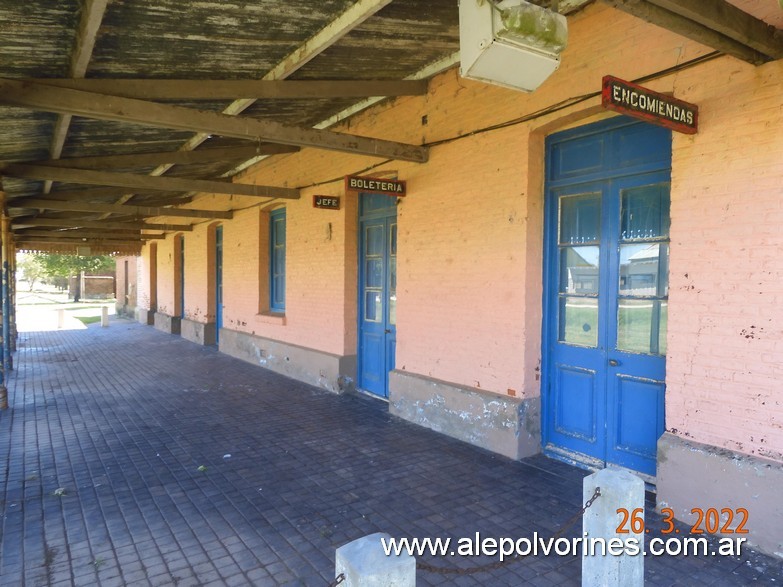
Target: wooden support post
x: 8, y: 363
x: 3, y: 329
x: 14, y: 333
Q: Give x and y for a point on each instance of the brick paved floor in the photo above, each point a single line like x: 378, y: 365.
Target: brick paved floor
x: 122, y: 418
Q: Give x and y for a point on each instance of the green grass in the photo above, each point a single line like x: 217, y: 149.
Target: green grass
x: 633, y: 326
x: 88, y: 319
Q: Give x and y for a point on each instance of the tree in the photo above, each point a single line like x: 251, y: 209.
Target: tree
x: 54, y: 267
x: 64, y: 266
x: 31, y: 268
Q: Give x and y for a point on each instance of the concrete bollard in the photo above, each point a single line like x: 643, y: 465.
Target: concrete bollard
x: 620, y: 490
x: 61, y: 318
x: 104, y: 316
x: 364, y: 564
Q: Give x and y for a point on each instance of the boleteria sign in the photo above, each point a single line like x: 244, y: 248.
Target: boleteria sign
x: 392, y: 187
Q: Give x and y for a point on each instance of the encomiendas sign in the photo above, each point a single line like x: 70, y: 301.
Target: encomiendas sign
x: 639, y: 102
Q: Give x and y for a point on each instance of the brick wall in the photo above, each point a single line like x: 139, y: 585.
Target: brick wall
x: 470, y: 258
x: 725, y: 358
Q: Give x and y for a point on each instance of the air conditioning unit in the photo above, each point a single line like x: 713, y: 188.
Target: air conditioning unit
x: 510, y: 43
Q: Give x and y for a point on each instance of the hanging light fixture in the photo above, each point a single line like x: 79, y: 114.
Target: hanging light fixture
x: 511, y: 43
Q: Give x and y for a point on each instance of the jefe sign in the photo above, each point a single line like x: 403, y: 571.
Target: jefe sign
x: 393, y: 187
x: 633, y: 100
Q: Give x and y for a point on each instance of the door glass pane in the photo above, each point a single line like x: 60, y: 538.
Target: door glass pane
x: 374, y: 240
x: 580, y: 219
x: 373, y: 273
x: 578, y: 321
x: 372, y: 306
x: 662, y: 324
x: 641, y: 326
x: 579, y: 270
x: 643, y: 269
x: 393, y: 240
x: 393, y: 291
x: 645, y: 212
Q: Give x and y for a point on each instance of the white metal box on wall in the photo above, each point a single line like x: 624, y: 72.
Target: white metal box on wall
x: 511, y: 43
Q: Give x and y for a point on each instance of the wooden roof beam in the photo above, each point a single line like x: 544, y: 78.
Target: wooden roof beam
x: 185, y: 89
x: 95, y: 247
x: 98, y: 106
x: 29, y: 222
x: 136, y: 211
x: 728, y: 20
x: 175, y: 157
x: 91, y: 18
x: 146, y: 182
x: 649, y: 12
x: 26, y: 243
x: 82, y: 234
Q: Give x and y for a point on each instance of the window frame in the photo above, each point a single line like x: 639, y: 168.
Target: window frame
x: 277, y: 270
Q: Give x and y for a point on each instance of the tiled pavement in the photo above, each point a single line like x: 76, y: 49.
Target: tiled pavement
x: 121, y: 419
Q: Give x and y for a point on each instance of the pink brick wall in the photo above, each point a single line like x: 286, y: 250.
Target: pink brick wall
x: 471, y: 233
x: 725, y: 358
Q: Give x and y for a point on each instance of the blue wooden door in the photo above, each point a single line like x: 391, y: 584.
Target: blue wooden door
x: 607, y: 249
x: 218, y: 282
x: 181, y: 277
x: 377, y: 292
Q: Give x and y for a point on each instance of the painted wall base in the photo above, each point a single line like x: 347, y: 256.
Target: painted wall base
x: 166, y: 323
x: 507, y: 425
x: 695, y: 475
x: 199, y: 332
x: 332, y: 372
x: 145, y: 316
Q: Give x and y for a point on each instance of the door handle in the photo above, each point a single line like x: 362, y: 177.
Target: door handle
x: 614, y: 363
x: 387, y: 331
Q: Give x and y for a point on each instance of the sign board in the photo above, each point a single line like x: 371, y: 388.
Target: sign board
x: 392, y: 187
x: 327, y: 202
x: 654, y: 107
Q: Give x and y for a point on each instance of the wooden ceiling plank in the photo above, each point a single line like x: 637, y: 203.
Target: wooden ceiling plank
x: 689, y: 29
x: 137, y: 211
x: 22, y: 222
x: 729, y: 20
x: 98, y: 106
x: 91, y: 18
x: 354, y: 16
x: 184, y: 89
x: 179, y: 157
x: 136, y: 181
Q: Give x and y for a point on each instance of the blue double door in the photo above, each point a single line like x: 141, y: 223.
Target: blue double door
x: 606, y: 295
x: 218, y: 282
x: 377, y: 292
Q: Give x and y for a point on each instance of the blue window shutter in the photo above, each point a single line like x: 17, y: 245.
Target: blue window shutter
x: 277, y: 261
